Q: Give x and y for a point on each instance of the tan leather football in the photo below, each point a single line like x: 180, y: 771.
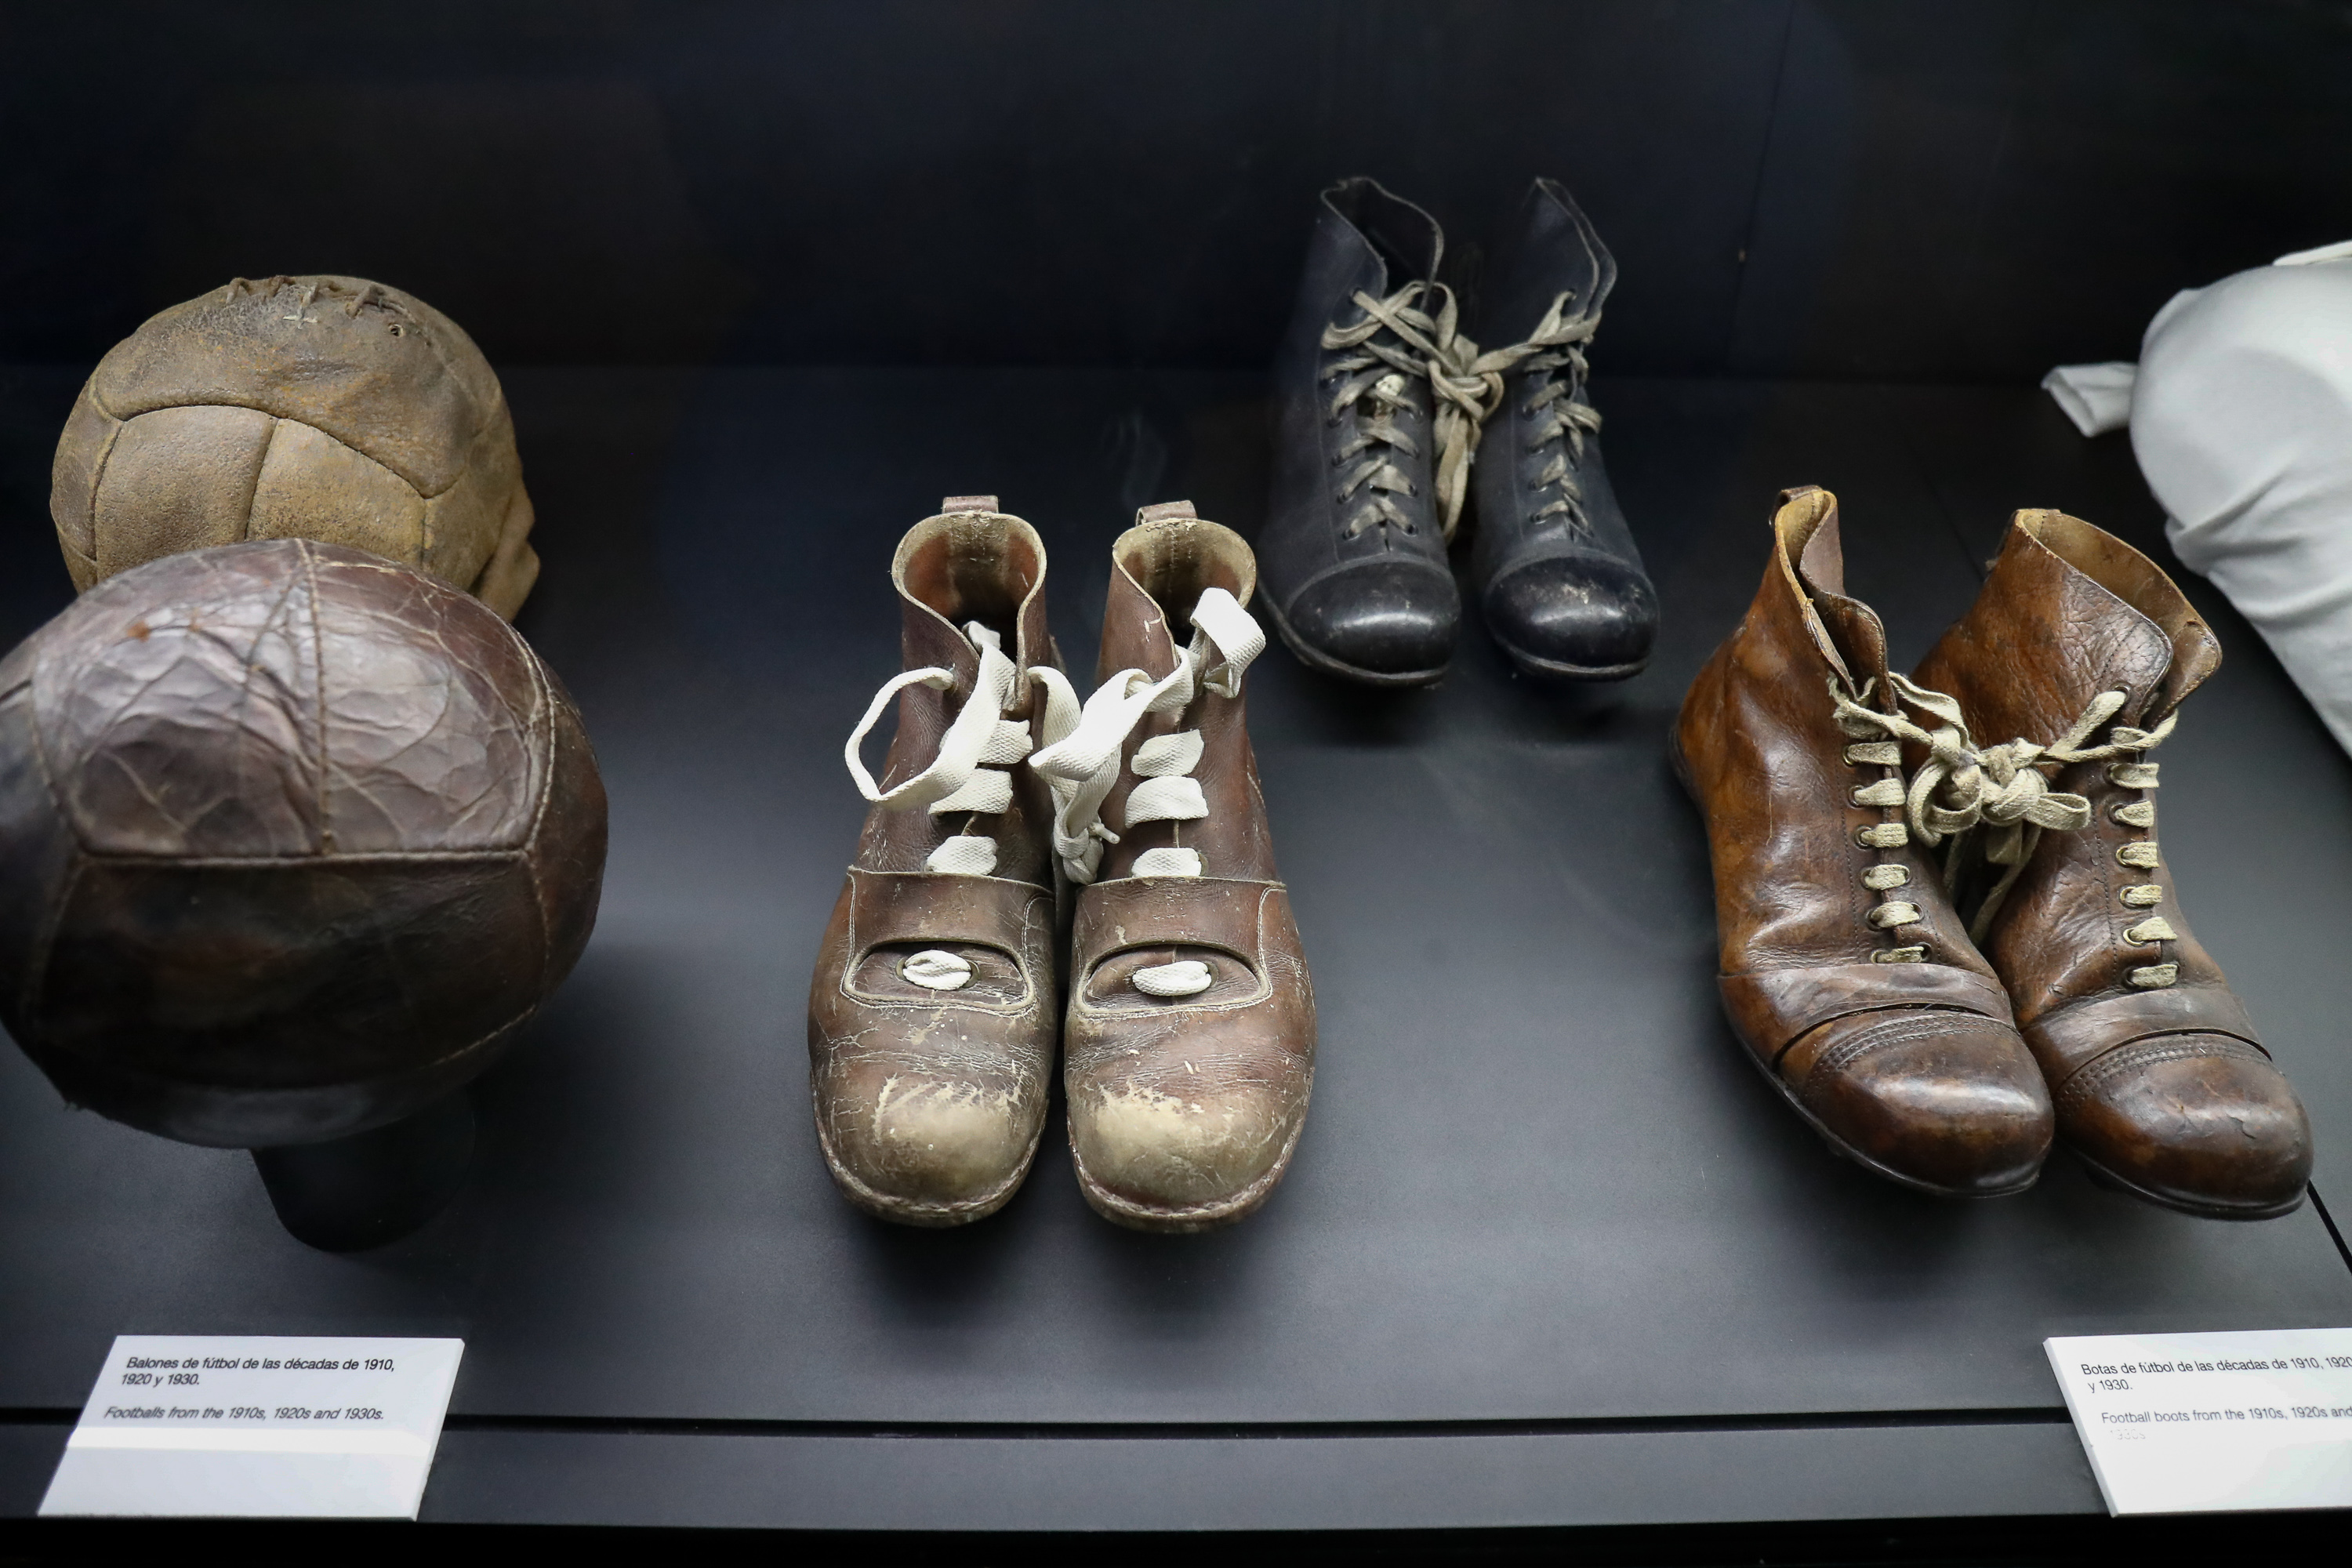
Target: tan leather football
x: 319, y: 407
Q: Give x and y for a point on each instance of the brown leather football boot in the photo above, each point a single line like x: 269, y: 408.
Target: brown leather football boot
x: 1191, y: 1035
x: 1844, y: 969
x: 931, y: 1018
x: 2082, y: 648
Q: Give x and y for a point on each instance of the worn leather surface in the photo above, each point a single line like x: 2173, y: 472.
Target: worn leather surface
x: 1915, y: 1069
x: 292, y: 840
x: 1184, y: 1112
x: 1565, y: 597
x: 2167, y: 1090
x: 1380, y: 607
x: 930, y: 1104
x: 314, y: 407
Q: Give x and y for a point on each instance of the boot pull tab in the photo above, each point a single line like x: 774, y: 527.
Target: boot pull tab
x: 1165, y: 511
x: 969, y: 503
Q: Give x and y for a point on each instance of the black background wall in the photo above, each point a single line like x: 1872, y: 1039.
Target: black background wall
x: 1881, y: 189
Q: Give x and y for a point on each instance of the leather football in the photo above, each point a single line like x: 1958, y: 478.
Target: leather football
x: 316, y: 407
x: 293, y: 839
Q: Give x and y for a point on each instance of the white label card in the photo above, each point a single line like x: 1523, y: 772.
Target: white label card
x: 252, y: 1427
x: 2213, y: 1423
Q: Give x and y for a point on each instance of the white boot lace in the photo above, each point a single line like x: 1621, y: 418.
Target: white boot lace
x: 1082, y: 765
x: 968, y: 774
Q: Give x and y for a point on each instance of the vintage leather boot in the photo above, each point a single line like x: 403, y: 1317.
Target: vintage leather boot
x: 932, y: 1014
x: 1844, y: 969
x: 2083, y: 649
x: 1354, y: 546
x: 1558, y: 579
x: 1190, y: 1043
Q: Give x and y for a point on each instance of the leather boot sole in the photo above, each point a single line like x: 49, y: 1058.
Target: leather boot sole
x: 1314, y: 658
x: 2108, y: 1178
x: 1187, y: 1221
x: 916, y: 1212
x: 1787, y: 1090
x: 1553, y: 669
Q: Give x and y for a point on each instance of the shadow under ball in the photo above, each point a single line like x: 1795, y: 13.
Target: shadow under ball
x: 315, y: 407
x: 293, y: 839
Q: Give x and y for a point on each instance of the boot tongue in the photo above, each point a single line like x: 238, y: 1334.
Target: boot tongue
x: 1852, y: 627
x: 1558, y: 252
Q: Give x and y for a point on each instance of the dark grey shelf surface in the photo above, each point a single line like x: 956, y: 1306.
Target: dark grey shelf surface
x: 1550, y: 1253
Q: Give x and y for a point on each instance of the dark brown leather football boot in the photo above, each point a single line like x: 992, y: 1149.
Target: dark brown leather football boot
x: 1190, y: 1043
x: 2082, y: 648
x: 932, y: 1014
x: 1844, y: 969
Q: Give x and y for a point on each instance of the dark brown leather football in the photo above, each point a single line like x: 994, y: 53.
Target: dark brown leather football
x: 317, y: 408
x: 292, y: 840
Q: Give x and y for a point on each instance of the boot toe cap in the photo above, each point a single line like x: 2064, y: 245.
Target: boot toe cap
x: 1941, y: 1099
x: 1570, y: 615
x: 2195, y: 1121
x: 1167, y: 1160
x: 925, y: 1149
x: 1394, y: 618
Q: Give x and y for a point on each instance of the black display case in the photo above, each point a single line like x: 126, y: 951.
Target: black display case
x: 762, y: 284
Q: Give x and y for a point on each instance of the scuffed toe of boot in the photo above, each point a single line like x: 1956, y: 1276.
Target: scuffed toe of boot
x: 1574, y: 618
x: 1184, y: 1110
x: 926, y: 1149
x: 1941, y: 1100
x: 2203, y: 1124
x: 1159, y: 1150
x: 1384, y: 622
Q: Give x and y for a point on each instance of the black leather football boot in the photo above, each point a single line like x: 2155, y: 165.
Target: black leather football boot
x: 1556, y: 572
x: 1352, y: 554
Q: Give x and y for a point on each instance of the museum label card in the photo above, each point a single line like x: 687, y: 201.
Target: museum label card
x: 2213, y: 1423
x: 185, y: 1425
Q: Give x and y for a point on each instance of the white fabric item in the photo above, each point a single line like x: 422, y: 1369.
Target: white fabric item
x: 1169, y: 863
x: 2242, y: 426
x: 936, y: 970
x: 2097, y: 397
x: 2341, y: 250
x: 1185, y: 977
x: 966, y: 777
x: 1082, y: 765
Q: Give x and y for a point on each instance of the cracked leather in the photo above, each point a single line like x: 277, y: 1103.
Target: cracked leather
x: 1381, y: 606
x: 292, y: 841
x: 1913, y: 1069
x: 1565, y: 598
x: 317, y: 408
x: 2166, y: 1090
x: 1184, y: 1112
x: 930, y: 1104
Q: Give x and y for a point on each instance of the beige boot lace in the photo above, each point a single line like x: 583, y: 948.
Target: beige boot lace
x: 1468, y: 388
x: 1558, y: 343
x: 2002, y: 794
